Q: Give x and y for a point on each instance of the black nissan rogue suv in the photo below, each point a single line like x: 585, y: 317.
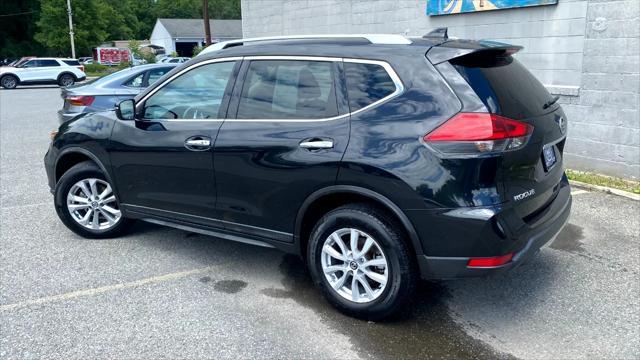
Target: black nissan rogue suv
x: 379, y: 159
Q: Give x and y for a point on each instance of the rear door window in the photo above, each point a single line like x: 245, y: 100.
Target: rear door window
x: 504, y: 85
x: 47, y: 63
x: 156, y: 74
x: 135, y: 81
x: 366, y: 84
x: 288, y: 89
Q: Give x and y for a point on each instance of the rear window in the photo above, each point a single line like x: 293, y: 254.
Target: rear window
x: 504, y: 85
x: 366, y: 84
x: 71, y: 62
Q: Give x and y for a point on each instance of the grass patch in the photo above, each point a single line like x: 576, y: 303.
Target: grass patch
x: 603, y: 180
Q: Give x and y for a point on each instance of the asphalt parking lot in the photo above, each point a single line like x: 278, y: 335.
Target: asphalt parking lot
x: 165, y: 293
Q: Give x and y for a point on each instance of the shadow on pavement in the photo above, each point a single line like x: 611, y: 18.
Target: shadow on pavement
x: 426, y: 329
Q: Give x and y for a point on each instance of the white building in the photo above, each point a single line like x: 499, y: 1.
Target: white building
x: 182, y: 35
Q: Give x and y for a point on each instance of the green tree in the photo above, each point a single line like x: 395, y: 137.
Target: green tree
x: 89, y: 26
x: 17, y: 27
x: 192, y: 9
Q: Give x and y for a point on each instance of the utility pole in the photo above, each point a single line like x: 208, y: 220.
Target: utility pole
x: 205, y: 17
x: 73, y: 46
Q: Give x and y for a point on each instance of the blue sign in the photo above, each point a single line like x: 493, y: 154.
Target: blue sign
x: 446, y: 7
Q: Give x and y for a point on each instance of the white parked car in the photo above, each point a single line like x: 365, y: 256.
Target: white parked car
x: 61, y: 71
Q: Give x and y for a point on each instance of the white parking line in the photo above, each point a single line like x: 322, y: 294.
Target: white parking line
x: 104, y: 289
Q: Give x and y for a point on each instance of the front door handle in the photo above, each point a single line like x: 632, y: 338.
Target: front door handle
x: 197, y: 143
x: 317, y: 144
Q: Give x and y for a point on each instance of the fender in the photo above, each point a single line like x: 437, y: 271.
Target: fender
x: 90, y: 155
x: 12, y: 74
x: 413, y: 235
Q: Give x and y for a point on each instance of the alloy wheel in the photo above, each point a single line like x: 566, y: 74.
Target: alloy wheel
x: 354, y: 265
x: 9, y: 82
x: 66, y: 80
x: 93, y: 205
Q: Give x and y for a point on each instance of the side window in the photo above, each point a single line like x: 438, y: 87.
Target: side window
x: 31, y: 64
x: 48, y: 63
x: 286, y: 89
x: 136, y: 81
x: 71, y: 62
x: 156, y: 74
x: 196, y: 94
x: 366, y: 84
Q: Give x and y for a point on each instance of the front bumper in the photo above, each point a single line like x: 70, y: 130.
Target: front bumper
x: 49, y: 166
x: 524, y: 244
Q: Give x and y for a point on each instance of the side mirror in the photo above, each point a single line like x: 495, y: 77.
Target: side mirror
x: 126, y: 110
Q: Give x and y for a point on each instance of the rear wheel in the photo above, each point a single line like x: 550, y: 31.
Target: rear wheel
x: 86, y: 203
x: 66, y: 80
x: 359, y: 260
x: 9, y: 82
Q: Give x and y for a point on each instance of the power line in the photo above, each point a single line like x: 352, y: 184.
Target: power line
x: 20, y: 13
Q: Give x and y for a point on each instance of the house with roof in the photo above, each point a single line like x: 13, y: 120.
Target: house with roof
x: 182, y: 35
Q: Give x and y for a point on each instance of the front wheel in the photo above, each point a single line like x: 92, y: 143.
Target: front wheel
x: 86, y: 203
x: 359, y: 260
x: 9, y: 82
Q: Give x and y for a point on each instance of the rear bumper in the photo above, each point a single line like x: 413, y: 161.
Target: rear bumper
x: 524, y: 245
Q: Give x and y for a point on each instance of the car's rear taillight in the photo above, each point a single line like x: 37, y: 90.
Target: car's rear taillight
x: 81, y: 67
x: 478, y: 134
x: 80, y: 100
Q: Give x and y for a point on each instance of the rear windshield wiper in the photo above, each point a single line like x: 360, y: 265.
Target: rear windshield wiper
x: 550, y: 102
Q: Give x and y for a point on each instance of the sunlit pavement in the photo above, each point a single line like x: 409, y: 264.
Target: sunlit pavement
x: 162, y: 292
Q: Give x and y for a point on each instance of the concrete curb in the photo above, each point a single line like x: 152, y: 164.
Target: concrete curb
x: 605, y: 189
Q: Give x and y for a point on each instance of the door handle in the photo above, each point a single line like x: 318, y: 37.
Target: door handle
x: 317, y: 144
x: 197, y: 143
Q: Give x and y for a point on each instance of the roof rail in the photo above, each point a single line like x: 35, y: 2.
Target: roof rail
x: 387, y: 39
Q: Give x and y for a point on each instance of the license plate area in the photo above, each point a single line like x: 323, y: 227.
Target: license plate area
x: 549, y: 157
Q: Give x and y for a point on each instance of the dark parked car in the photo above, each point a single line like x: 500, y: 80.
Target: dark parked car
x: 105, y: 92
x: 378, y: 159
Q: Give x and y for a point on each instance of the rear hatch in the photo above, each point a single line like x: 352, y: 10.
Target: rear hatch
x: 530, y: 175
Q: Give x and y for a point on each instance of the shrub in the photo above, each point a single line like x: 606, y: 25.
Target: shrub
x: 197, y: 49
x: 95, y: 68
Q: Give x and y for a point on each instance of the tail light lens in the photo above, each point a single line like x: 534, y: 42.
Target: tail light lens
x: 81, y: 67
x: 80, y: 100
x: 478, y: 134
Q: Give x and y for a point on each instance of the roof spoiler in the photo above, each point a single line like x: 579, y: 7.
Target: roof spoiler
x: 456, y: 49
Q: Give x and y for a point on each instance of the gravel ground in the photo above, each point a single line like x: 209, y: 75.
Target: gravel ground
x: 165, y: 293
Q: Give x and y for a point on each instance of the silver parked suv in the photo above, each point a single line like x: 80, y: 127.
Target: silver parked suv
x: 61, y: 71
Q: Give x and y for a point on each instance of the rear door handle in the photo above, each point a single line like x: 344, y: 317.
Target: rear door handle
x: 197, y: 143
x: 317, y: 144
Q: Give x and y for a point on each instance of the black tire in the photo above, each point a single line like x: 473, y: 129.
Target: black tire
x: 9, y: 82
x: 402, y: 274
x: 84, y: 170
x: 66, y: 80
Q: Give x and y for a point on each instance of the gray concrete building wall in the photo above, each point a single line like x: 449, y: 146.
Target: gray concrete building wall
x: 587, y: 51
